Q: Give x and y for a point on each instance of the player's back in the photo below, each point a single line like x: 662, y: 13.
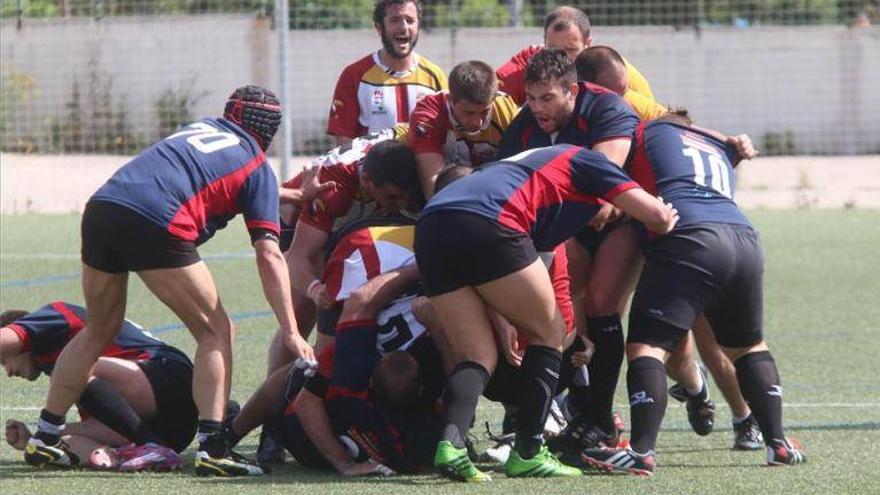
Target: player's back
x: 47, y: 330
x: 550, y: 192
x: 688, y: 168
x: 195, y: 173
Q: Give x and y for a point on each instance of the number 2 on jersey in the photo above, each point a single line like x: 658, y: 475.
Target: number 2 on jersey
x: 205, y: 138
x: 717, y: 176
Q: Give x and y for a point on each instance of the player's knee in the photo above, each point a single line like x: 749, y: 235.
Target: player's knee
x: 601, y: 303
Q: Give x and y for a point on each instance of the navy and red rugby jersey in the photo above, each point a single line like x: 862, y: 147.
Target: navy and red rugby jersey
x: 690, y: 169
x: 196, y: 180
x: 47, y: 330
x: 402, y: 440
x: 599, y: 115
x: 550, y: 193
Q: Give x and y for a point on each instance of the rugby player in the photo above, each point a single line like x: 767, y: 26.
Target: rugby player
x: 350, y: 192
x: 568, y: 28
x: 370, y: 271
x: 138, y: 392
x: 603, y: 260
x: 476, y: 246
x: 380, y: 90
x: 603, y: 65
x: 463, y: 125
x: 149, y: 218
x: 711, y: 264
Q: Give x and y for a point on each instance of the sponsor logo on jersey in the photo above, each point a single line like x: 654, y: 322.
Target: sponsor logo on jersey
x: 378, y: 101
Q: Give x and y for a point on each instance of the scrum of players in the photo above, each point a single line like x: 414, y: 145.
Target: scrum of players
x: 474, y: 236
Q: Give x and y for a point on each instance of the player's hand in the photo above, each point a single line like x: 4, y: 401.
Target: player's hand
x: 317, y: 292
x: 608, y: 213
x: 671, y: 218
x: 300, y: 348
x: 743, y: 146
x: 367, y: 469
x: 17, y: 434
x: 312, y: 187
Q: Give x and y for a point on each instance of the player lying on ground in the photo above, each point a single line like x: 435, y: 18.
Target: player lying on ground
x: 476, y: 245
x: 711, y: 264
x: 149, y: 219
x: 603, y: 65
x: 138, y: 396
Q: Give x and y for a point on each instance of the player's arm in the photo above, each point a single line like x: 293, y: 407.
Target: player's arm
x: 741, y: 143
x: 428, y: 166
x: 306, y: 259
x: 366, y: 301
x: 276, y: 287
x: 650, y: 210
x: 10, y: 343
x: 344, y: 109
x: 315, y: 421
x: 615, y: 150
x: 310, y: 187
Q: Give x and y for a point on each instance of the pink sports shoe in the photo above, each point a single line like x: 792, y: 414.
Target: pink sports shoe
x: 147, y: 457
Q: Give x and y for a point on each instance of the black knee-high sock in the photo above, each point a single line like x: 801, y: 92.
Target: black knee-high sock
x: 212, y: 438
x: 540, y: 375
x: 759, y: 381
x: 463, y: 390
x: 606, y: 333
x: 646, y: 381
x: 108, y: 406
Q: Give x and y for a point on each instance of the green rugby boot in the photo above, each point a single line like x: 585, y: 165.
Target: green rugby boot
x: 455, y: 464
x: 543, y: 465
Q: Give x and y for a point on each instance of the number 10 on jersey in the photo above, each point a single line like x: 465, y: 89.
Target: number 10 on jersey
x: 716, y: 175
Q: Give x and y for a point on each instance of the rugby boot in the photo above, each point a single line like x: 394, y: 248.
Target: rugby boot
x: 39, y: 454
x: 748, y: 434
x: 148, y: 457
x: 701, y: 415
x: 785, y: 453
x: 270, y: 449
x: 232, y: 464
x: 455, y: 464
x: 620, y: 460
x: 542, y: 465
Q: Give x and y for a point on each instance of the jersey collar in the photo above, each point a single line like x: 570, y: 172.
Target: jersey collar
x: 396, y: 74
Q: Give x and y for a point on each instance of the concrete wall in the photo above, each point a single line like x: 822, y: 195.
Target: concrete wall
x: 819, y: 83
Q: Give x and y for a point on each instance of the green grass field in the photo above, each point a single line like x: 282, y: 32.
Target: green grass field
x: 822, y: 312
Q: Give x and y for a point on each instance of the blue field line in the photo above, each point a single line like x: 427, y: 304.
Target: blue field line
x: 244, y: 315
x: 54, y: 279
x: 37, y: 282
